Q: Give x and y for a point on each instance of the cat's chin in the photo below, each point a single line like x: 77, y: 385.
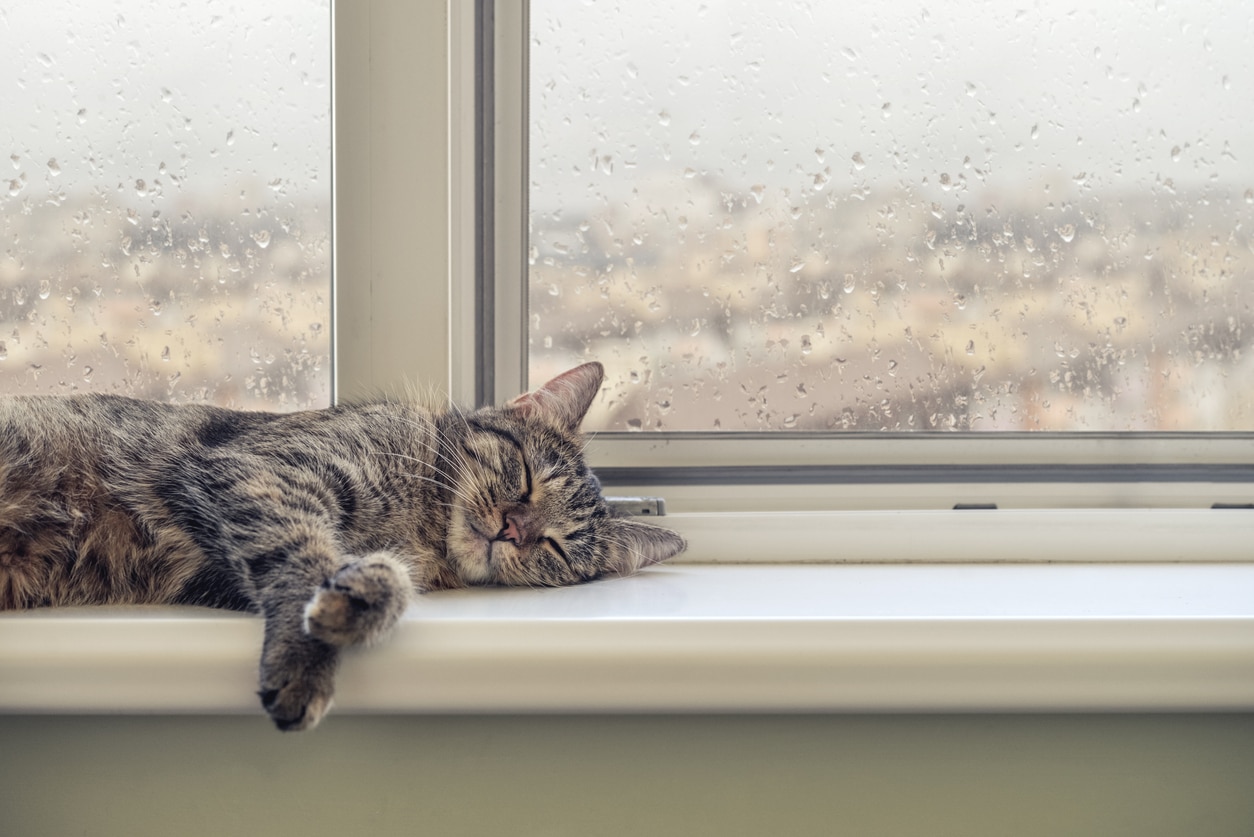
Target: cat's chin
x: 473, y: 559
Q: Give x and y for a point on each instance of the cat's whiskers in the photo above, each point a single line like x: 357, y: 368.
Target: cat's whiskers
x: 457, y: 492
x: 449, y: 484
x: 455, y: 463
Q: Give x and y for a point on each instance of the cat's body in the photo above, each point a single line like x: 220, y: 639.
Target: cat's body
x: 324, y: 522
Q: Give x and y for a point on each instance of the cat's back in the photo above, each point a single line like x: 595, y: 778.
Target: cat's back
x: 76, y: 424
x: 75, y: 518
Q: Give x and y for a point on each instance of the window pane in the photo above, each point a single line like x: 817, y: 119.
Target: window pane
x: 896, y: 216
x: 166, y: 212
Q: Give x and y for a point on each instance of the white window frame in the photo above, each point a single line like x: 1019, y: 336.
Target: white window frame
x: 391, y: 218
x: 765, y: 474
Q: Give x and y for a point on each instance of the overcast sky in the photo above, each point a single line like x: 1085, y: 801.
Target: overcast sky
x: 1127, y: 93
x: 754, y: 93
x: 215, y: 90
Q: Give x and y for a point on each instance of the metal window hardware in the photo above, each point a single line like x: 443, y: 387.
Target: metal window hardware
x: 638, y: 506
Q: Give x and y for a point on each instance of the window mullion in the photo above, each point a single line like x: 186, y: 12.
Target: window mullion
x: 391, y: 227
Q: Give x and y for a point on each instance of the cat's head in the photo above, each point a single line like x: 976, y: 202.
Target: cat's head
x: 527, y: 511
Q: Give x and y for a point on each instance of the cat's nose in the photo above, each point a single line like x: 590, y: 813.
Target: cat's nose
x: 514, y: 530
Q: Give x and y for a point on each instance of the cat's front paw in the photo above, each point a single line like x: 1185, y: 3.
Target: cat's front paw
x: 360, y: 603
x: 297, y: 685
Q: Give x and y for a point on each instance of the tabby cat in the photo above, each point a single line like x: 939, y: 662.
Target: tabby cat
x: 325, y: 522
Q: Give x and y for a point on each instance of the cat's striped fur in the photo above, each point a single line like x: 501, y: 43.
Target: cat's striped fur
x: 324, y: 522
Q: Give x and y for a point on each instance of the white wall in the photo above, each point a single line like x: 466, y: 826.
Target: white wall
x: 1175, y: 776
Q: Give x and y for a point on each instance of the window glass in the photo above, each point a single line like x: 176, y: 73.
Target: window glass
x: 166, y: 206
x: 896, y: 216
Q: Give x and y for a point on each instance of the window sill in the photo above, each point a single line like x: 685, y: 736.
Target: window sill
x: 690, y: 637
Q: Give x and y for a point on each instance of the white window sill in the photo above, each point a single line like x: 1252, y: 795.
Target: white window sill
x: 694, y: 637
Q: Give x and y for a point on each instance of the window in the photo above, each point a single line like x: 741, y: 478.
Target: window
x: 167, y: 214
x: 907, y: 217
x: 811, y: 242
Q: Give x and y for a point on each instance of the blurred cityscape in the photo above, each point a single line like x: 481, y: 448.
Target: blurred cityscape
x: 223, y: 304
x: 876, y: 311
x: 1050, y: 310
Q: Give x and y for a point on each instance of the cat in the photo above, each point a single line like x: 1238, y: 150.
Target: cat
x: 325, y: 522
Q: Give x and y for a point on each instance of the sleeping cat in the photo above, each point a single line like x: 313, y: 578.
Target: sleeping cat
x: 325, y: 522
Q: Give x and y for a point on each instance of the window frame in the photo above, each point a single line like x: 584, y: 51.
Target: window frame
x: 391, y: 323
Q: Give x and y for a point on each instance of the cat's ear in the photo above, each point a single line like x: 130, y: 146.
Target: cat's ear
x: 565, y: 399
x: 635, y: 545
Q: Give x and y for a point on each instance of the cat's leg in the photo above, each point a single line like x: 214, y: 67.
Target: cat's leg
x: 297, y: 672
x: 317, y: 604
x: 361, y: 602
x: 273, y: 526
x: 297, y: 677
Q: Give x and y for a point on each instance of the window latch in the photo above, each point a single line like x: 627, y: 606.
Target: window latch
x: 638, y: 506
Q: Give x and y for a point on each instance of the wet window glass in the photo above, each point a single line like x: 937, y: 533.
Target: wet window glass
x: 897, y: 216
x: 165, y: 207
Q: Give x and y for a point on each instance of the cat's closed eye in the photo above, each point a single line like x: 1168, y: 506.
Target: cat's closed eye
x: 556, y: 548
